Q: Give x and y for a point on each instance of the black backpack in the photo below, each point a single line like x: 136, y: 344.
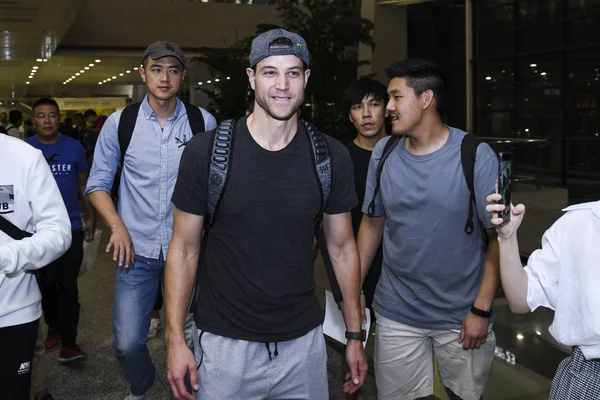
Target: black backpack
x: 221, y: 155
x: 468, y: 150
x: 129, y: 117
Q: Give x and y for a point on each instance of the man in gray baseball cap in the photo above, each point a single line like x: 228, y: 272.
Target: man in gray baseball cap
x: 258, y: 318
x: 158, y: 129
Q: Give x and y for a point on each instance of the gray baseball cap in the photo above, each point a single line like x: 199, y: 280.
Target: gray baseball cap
x: 162, y: 49
x: 261, y: 46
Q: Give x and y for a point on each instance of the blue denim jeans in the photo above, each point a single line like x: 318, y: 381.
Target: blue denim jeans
x: 136, y: 289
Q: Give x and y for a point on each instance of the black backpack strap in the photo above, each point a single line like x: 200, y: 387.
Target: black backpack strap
x: 321, y: 163
x: 321, y: 158
x: 220, y: 157
x: 195, y: 118
x: 12, y: 230
x: 126, y: 126
x: 387, y: 150
x: 468, y: 151
x: 219, y: 167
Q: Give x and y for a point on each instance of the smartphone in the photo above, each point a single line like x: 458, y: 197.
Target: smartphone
x: 504, y: 184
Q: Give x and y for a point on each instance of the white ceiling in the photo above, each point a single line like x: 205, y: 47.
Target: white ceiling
x: 30, y: 30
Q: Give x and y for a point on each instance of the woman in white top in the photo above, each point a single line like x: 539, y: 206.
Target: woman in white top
x: 570, y: 260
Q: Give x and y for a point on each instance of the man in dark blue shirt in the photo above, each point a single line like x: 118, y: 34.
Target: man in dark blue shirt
x: 58, y: 284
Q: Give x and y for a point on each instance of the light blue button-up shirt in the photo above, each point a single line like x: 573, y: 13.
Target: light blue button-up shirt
x: 149, y: 173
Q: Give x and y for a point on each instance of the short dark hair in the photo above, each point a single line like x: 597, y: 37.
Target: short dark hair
x: 15, y: 116
x: 45, y: 101
x: 364, y: 87
x: 421, y: 75
x: 90, y: 113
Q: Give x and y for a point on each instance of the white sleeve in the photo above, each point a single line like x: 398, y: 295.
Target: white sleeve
x: 543, y: 270
x: 50, y: 222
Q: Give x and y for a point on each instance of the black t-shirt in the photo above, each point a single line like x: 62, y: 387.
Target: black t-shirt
x: 256, y: 275
x: 360, y: 160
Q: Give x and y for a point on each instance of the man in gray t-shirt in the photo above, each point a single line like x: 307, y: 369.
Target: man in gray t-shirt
x: 437, y: 283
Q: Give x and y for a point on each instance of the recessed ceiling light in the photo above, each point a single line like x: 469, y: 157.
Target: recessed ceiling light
x: 73, y: 77
x: 90, y: 65
x: 64, y: 83
x: 39, y: 60
x: 209, y: 81
x: 99, y: 83
x: 81, y: 71
x: 533, y: 65
x: 35, y: 67
x: 543, y: 73
x: 488, y: 78
x: 77, y: 74
x: 97, y: 61
x: 199, y: 83
x: 30, y: 76
x: 228, y: 78
x: 45, y: 60
x: 86, y: 68
x: 114, y: 77
x: 217, y: 80
x: 108, y: 80
x: 104, y: 81
x: 27, y: 83
x: 128, y: 71
x: 121, y: 74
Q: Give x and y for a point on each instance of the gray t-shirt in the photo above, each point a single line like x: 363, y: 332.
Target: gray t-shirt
x: 432, y: 269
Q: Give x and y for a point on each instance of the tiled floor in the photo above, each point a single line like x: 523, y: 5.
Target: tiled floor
x: 101, y: 378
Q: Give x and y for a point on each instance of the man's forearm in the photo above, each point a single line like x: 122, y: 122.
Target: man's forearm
x: 370, y: 235
x: 347, y: 271
x: 514, y: 277
x: 102, y: 202
x: 180, y: 274
x: 491, y: 277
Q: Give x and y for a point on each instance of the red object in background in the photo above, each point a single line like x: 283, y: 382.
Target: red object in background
x: 100, y: 122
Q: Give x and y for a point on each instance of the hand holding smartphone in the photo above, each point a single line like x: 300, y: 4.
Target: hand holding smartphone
x: 504, y: 184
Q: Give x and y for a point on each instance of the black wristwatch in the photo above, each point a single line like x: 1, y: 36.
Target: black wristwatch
x: 481, y: 313
x: 362, y: 335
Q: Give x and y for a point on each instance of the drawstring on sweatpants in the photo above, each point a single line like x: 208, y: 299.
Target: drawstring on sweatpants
x: 268, y: 346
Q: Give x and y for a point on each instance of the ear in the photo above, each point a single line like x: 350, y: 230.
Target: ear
x: 251, y: 78
x: 306, y: 75
x: 183, y: 75
x: 350, y: 117
x: 142, y: 74
x: 427, y: 99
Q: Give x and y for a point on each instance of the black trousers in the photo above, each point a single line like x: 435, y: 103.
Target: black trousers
x: 60, y: 296
x: 17, y: 344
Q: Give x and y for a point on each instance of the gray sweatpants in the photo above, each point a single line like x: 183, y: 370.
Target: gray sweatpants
x: 236, y: 369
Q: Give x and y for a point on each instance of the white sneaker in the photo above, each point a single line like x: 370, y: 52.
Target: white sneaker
x: 155, y: 326
x: 132, y: 397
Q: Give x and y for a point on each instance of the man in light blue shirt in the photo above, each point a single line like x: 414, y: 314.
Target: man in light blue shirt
x: 142, y: 229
